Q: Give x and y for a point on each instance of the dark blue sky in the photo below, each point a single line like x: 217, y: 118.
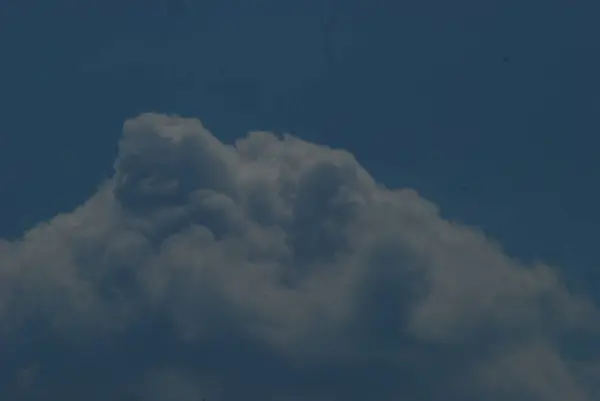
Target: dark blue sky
x: 491, y: 109
x: 419, y: 91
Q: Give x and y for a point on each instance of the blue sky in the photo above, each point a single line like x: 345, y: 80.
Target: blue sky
x: 488, y: 109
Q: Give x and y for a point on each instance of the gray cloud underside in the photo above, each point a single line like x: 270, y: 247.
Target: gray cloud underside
x: 277, y: 269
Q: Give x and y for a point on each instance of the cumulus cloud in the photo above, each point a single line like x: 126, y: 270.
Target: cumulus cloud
x: 277, y: 269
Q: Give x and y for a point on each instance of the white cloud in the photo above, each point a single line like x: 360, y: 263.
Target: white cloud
x: 294, y: 248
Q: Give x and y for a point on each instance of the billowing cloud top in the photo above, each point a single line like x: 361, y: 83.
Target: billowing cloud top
x: 277, y: 269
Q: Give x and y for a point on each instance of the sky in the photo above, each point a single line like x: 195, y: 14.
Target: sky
x: 299, y: 200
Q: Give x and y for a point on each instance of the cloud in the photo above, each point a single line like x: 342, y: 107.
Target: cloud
x: 278, y: 269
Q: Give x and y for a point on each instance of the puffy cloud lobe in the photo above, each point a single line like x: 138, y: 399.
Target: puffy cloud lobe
x: 291, y: 254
